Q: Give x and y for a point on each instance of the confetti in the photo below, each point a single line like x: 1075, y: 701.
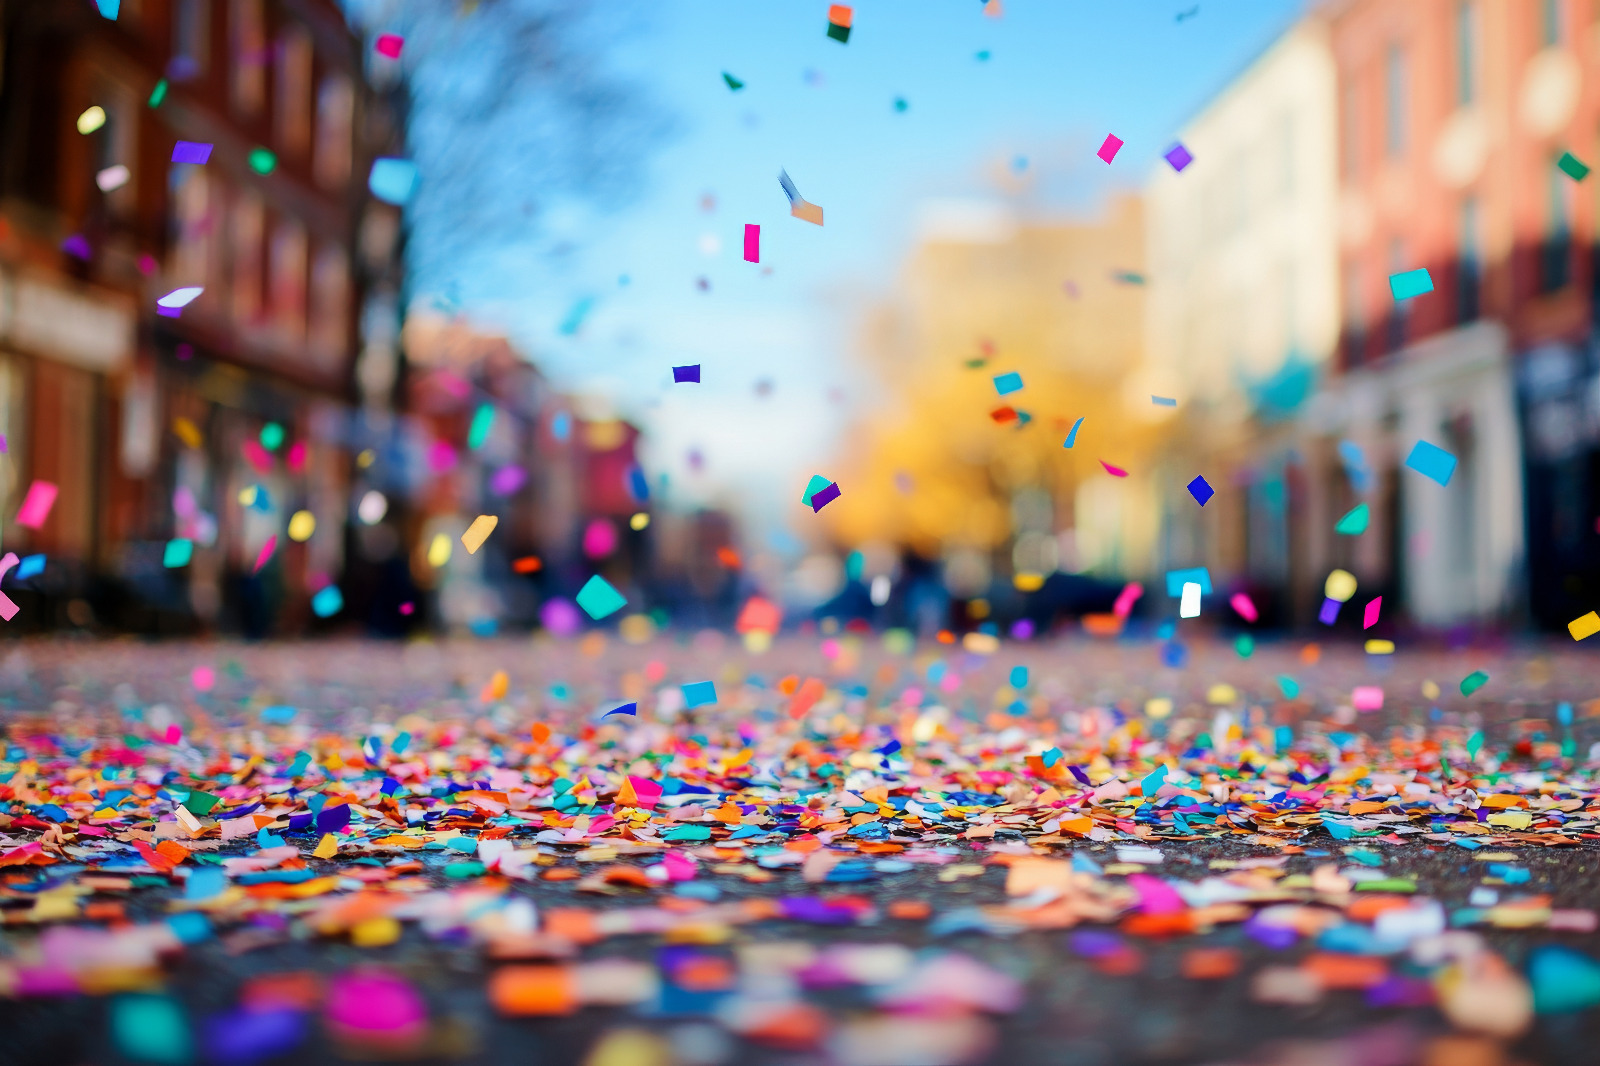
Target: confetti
x: 389, y: 44
x: 682, y: 374
x: 599, y: 599
x: 1109, y: 148
x: 36, y: 504
x: 1201, y: 490
x: 752, y: 243
x: 196, y: 152
x: 840, y: 18
x: 1410, y: 283
x: 1432, y: 462
x: 478, y: 532
x: 1178, y: 157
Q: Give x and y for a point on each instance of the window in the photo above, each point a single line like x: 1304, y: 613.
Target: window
x: 1400, y: 311
x: 336, y: 103
x: 1470, y: 263
x: 191, y: 38
x: 1355, y: 319
x: 288, y: 271
x: 249, y: 72
x: 1555, y: 258
x: 1466, y: 52
x: 194, y: 225
x: 1349, y: 147
x: 294, y: 90
x: 249, y: 226
x: 330, y: 304
x: 116, y: 143
x: 1394, y: 95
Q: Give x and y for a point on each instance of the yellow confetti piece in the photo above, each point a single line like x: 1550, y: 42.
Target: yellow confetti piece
x: 1380, y: 647
x: 1585, y: 626
x: 1341, y: 585
x: 302, y: 525
x: 479, y: 532
x: 439, y: 550
x: 327, y: 847
x: 375, y: 932
x: 187, y: 432
x: 497, y: 687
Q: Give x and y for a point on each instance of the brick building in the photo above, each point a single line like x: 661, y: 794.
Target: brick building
x: 143, y: 419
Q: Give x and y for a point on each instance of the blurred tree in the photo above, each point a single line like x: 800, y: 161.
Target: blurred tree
x: 511, y: 113
x: 1061, y: 305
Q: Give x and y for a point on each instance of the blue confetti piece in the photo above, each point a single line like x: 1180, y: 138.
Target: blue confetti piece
x: 699, y: 693
x: 622, y: 708
x: 1006, y: 384
x: 1072, y: 437
x: 1432, y: 461
x: 393, y: 180
x: 1410, y: 283
x: 29, y: 566
x: 1198, y: 574
x: 1201, y: 490
x: 328, y: 602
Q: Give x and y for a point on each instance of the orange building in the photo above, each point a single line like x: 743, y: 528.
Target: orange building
x: 1453, y: 118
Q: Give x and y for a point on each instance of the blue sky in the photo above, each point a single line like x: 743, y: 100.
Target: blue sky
x: 1059, y: 76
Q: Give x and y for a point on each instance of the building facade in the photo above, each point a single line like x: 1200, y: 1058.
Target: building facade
x: 219, y: 421
x: 1243, y: 308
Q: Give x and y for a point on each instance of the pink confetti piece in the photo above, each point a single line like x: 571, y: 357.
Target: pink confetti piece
x: 202, y: 678
x: 1114, y: 471
x: 8, y: 609
x: 752, y: 243
x: 266, y: 552
x: 295, y: 460
x: 1367, y: 698
x: 36, y: 504
x: 1369, y: 617
x: 1108, y: 150
x: 1242, y: 603
x: 389, y: 44
x: 407, y: 607
x: 257, y: 456
x: 1126, y: 598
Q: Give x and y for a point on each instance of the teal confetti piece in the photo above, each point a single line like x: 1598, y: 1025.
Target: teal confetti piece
x: 599, y: 599
x: 1473, y: 682
x: 482, y: 423
x: 1410, y: 283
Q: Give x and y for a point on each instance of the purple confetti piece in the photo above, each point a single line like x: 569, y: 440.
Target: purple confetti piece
x: 191, y: 152
x: 822, y: 497
x: 686, y: 373
x: 1178, y: 157
x: 1330, y: 611
x: 507, y: 480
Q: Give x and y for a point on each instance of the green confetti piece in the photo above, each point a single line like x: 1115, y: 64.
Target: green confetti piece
x: 733, y: 83
x: 1474, y: 744
x: 482, y: 423
x: 200, y: 803
x: 1572, y: 166
x: 271, y: 436
x: 159, y: 93
x: 1387, y: 884
x: 263, y: 161
x: 1245, y: 645
x: 1473, y: 682
x: 1355, y: 522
